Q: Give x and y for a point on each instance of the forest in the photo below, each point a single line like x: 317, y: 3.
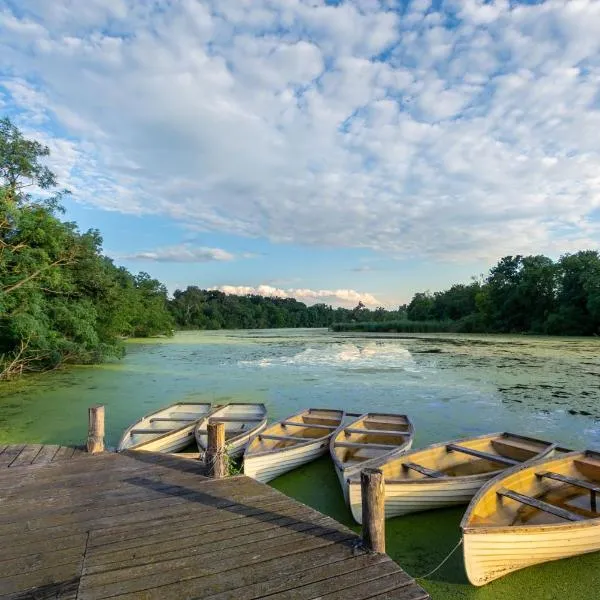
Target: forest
x: 521, y: 294
x: 63, y: 302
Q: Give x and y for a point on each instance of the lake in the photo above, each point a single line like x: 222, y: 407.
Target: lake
x: 450, y: 385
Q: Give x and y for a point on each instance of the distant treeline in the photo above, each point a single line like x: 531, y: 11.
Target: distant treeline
x: 521, y: 294
x: 195, y: 308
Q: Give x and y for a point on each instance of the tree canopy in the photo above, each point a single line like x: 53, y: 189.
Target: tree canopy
x: 61, y: 300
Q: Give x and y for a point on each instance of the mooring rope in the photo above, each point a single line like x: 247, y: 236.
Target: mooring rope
x: 442, y: 563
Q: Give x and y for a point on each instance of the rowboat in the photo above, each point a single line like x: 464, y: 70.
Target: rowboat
x: 290, y: 443
x: 370, y: 438
x: 533, y: 514
x: 242, y: 421
x: 166, y: 430
x: 447, y: 474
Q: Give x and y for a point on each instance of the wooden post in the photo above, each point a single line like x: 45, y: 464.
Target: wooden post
x: 215, y: 450
x: 95, y: 441
x: 372, y: 489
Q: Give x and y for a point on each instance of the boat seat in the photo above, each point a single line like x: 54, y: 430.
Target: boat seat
x: 283, y: 438
x: 183, y: 419
x: 349, y: 430
x: 541, y: 505
x: 503, y: 460
x: 235, y: 419
x: 423, y: 470
x: 364, y: 445
x: 309, y: 425
x: 581, y: 483
x: 229, y: 432
x: 150, y: 430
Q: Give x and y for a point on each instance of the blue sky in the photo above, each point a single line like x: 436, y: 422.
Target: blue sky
x: 333, y: 151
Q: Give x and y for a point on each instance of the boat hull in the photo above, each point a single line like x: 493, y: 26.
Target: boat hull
x: 266, y: 467
x: 170, y: 442
x: 416, y: 496
x: 490, y: 555
x: 344, y: 475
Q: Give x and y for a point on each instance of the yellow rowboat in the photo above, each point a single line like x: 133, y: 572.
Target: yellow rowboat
x: 166, y: 430
x: 291, y: 443
x: 370, y: 438
x: 533, y: 514
x: 448, y: 473
x: 242, y: 421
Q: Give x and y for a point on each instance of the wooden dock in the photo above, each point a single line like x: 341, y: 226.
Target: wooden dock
x: 149, y: 526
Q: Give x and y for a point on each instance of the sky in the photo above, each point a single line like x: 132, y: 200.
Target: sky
x: 334, y: 151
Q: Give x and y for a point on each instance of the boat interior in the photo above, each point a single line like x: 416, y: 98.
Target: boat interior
x: 558, y: 491
x: 237, y: 418
x: 371, y: 437
x: 476, y: 456
x: 166, y: 420
x: 312, y: 424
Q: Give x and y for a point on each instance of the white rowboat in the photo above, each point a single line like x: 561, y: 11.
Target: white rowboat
x: 369, y: 439
x: 291, y: 443
x: 242, y: 421
x: 166, y: 430
x: 447, y: 474
x: 532, y: 514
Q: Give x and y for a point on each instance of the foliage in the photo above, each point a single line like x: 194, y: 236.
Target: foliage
x: 195, y: 308
x: 60, y: 299
x: 522, y: 294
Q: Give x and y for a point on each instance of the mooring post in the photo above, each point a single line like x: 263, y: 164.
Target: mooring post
x: 215, y: 450
x: 372, y: 488
x: 95, y: 440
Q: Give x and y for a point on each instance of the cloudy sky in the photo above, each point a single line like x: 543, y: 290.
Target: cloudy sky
x: 330, y: 150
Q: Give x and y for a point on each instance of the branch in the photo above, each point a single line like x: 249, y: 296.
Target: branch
x: 12, y: 288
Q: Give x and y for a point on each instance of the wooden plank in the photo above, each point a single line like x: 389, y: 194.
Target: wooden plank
x: 541, y: 505
x: 320, y: 575
x: 423, y: 470
x: 359, y: 584
x: 64, y: 453
x: 582, y: 483
x: 503, y: 460
x: 182, y: 419
x: 350, y: 430
x: 46, y: 455
x: 223, y: 548
x: 258, y: 575
x: 26, y: 456
x: 308, y: 425
x: 162, y: 574
x: 9, y: 454
x: 150, y: 430
x: 283, y: 438
x: 364, y: 445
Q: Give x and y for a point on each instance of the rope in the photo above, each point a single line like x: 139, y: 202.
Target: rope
x: 442, y: 563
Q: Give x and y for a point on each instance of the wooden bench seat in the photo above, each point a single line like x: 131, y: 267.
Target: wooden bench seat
x: 593, y: 488
x: 283, y: 438
x: 423, y: 470
x: 503, y: 460
x: 541, y: 505
x: 349, y: 430
x: 308, y: 425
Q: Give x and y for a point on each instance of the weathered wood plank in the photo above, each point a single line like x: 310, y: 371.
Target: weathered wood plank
x: 139, y: 524
x: 45, y: 455
x: 26, y: 456
x: 288, y: 581
x: 9, y: 454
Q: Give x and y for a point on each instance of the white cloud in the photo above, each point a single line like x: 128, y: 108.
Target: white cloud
x: 183, y: 253
x: 348, y: 298
x: 463, y: 136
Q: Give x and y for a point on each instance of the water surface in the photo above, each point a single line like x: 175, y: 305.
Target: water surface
x: 451, y: 386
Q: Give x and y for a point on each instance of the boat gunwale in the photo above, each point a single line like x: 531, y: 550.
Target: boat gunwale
x: 257, y: 428
x: 151, y: 414
x: 299, y: 444
x: 524, y: 529
x: 461, y: 478
x: 397, y: 450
